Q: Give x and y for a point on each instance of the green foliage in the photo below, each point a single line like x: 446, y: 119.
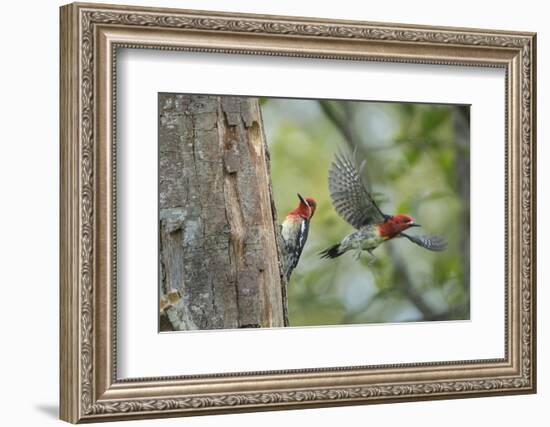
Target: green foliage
x: 413, y: 158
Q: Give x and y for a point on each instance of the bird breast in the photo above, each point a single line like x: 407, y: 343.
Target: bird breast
x: 365, y: 238
x: 291, y: 227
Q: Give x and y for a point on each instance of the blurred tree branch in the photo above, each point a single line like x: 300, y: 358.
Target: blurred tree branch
x: 404, y: 283
x: 340, y: 114
x: 461, y: 124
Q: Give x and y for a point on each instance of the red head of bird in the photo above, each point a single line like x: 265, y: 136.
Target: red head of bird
x: 396, y: 224
x: 305, y: 209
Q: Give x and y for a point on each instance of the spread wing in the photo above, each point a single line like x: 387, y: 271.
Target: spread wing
x: 432, y: 243
x: 349, y: 194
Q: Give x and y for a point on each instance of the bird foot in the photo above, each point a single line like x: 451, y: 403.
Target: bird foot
x: 359, y: 252
x: 372, y: 258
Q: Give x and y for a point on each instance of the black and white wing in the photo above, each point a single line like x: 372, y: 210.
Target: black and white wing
x: 349, y: 194
x: 293, y: 247
x: 432, y: 243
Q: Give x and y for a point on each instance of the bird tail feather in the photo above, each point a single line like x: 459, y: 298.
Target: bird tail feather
x: 332, y: 252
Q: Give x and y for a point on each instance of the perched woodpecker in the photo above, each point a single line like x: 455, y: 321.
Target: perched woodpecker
x: 294, y: 230
x: 354, y: 204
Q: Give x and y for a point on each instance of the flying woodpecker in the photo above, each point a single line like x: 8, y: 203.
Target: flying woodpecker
x: 353, y: 203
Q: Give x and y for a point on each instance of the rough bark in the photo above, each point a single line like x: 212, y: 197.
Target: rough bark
x: 218, y: 236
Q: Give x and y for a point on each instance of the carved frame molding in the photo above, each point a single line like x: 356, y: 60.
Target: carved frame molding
x: 90, y: 36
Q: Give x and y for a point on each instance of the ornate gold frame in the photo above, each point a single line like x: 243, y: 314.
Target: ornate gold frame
x: 90, y: 35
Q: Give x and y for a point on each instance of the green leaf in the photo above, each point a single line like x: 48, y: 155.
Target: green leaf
x: 431, y: 120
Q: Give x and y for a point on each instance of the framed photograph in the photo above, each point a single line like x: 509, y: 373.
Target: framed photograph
x: 266, y: 212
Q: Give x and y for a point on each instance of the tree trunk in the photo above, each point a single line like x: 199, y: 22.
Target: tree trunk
x: 219, y: 257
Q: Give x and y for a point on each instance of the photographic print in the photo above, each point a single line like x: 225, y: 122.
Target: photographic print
x: 242, y: 184
x: 368, y: 202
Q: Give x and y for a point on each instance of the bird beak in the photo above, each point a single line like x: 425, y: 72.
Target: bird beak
x: 302, y: 199
x: 414, y: 224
